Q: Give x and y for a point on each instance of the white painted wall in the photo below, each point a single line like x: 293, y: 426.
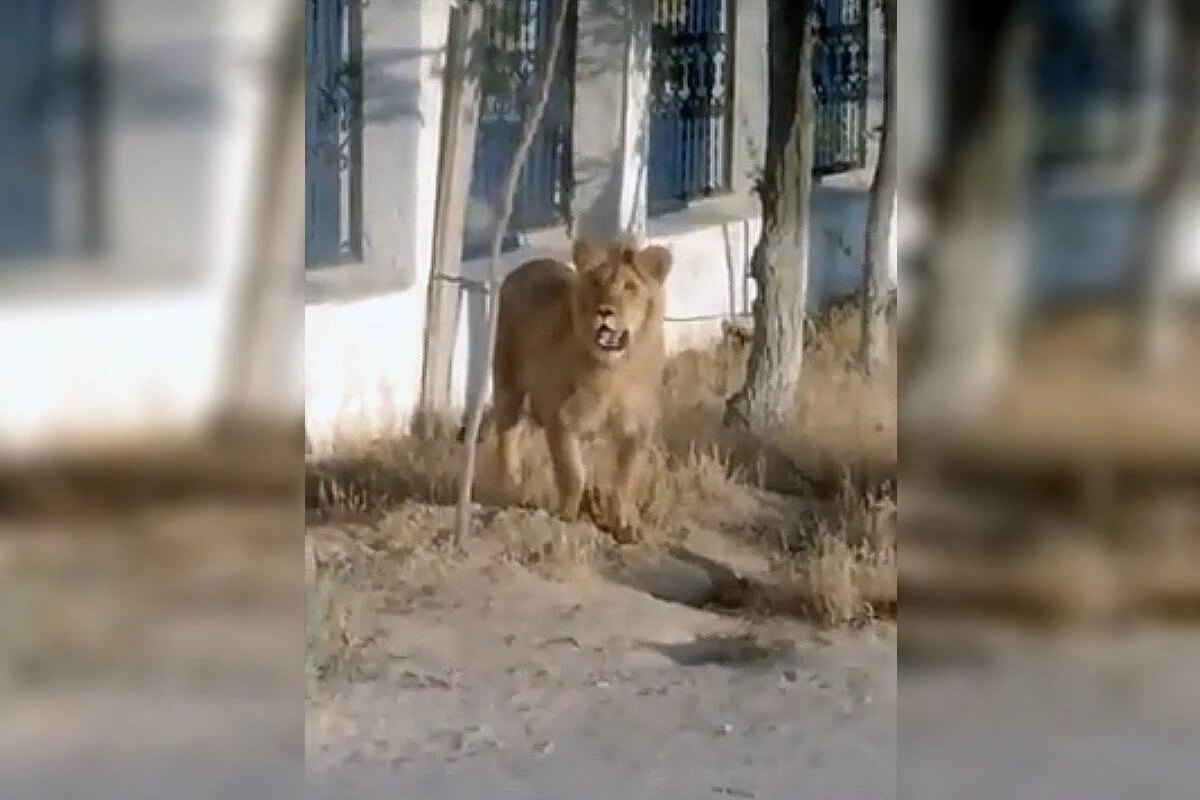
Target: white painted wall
x: 363, y: 323
x: 106, y: 369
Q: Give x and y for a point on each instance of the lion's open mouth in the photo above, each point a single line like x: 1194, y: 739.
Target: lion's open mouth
x: 611, y: 340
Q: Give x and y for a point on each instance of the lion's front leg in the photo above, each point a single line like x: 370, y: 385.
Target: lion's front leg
x: 506, y: 419
x: 623, y: 516
x: 566, y: 456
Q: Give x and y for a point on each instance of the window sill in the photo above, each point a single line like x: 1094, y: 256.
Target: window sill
x: 708, y: 212
x: 345, y: 283
x: 93, y: 280
x: 545, y: 243
x: 1122, y: 178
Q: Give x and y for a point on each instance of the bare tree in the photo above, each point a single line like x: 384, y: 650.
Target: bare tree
x: 876, y: 284
x: 971, y: 278
x: 779, y: 265
x: 260, y: 272
x: 456, y: 150
x: 533, y: 119
x: 1168, y: 200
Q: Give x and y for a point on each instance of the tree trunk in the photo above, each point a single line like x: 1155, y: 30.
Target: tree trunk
x: 456, y: 149
x: 779, y: 265
x: 263, y: 281
x: 972, y: 275
x: 1169, y: 202
x: 876, y: 282
x: 533, y: 120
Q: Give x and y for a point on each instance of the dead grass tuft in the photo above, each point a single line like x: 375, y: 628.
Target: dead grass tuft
x: 845, y: 583
x: 246, y: 460
x: 341, y: 637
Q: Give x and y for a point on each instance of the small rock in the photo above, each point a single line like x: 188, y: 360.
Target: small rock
x: 725, y: 729
x: 671, y: 580
x: 451, y: 740
x: 567, y: 640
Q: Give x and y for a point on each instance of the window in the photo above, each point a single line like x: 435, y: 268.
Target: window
x: 1085, y: 74
x: 691, y: 119
x: 841, y: 78
x: 52, y: 109
x: 517, y: 38
x: 333, y: 140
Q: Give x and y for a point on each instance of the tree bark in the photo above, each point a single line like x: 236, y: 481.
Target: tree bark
x: 1169, y: 202
x: 874, y: 344
x: 533, y: 120
x: 779, y: 265
x: 254, y: 337
x: 456, y: 148
x: 971, y: 277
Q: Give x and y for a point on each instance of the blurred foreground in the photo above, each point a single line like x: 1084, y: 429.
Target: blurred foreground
x: 147, y: 642
x: 1050, y: 446
x: 150, y: 445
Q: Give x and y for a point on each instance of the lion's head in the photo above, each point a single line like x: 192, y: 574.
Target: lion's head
x: 619, y: 295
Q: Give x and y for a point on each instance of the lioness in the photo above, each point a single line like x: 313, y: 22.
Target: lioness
x: 584, y: 347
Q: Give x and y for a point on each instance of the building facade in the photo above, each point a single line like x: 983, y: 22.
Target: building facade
x: 655, y: 125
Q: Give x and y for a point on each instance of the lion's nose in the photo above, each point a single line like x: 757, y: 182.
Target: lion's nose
x: 606, y: 312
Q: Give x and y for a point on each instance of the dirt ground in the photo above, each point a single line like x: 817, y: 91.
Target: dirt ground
x: 550, y: 679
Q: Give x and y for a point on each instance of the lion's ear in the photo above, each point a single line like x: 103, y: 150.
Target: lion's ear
x: 586, y: 255
x: 654, y: 262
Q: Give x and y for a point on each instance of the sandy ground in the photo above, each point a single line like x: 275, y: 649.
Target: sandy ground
x: 591, y: 689
x: 499, y: 682
x: 537, y: 712
x: 219, y: 718
x: 504, y: 684
x: 1071, y: 717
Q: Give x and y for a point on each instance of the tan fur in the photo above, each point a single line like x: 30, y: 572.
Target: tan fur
x: 551, y: 363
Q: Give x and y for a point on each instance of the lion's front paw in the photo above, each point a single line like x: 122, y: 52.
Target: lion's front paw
x: 623, y: 520
x: 570, y: 507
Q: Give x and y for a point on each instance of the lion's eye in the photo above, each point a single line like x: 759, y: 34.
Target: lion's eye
x: 631, y: 286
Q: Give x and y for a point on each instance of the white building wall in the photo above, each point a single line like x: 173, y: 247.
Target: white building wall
x: 110, y: 346
x: 363, y: 323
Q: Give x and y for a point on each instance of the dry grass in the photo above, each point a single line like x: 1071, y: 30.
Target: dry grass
x: 246, y: 459
x: 819, y: 503
x: 341, y: 639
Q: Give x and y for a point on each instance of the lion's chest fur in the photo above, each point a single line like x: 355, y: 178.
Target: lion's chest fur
x: 591, y: 398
